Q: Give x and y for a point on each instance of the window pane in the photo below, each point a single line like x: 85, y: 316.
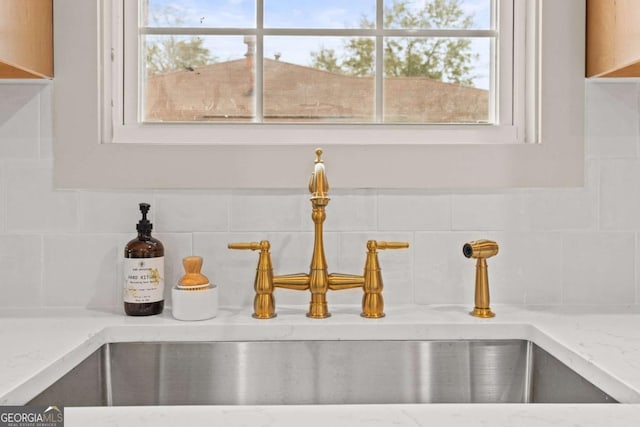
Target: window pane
x: 306, y: 82
x: 437, y: 80
x: 440, y: 14
x: 191, y: 13
x: 318, y: 14
x: 203, y: 78
x: 315, y: 78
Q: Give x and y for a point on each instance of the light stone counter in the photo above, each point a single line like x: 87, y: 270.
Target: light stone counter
x: 604, y: 347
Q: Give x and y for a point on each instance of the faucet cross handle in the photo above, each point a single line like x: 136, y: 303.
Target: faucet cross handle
x: 263, y: 302
x: 250, y: 246
x: 372, y: 301
x: 380, y: 245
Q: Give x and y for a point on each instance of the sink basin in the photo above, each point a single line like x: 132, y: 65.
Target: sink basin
x: 320, y: 372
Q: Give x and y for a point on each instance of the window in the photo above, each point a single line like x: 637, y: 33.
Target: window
x: 287, y: 61
x: 259, y: 66
x: 102, y: 123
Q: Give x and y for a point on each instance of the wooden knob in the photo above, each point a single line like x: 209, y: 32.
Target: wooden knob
x: 192, y: 266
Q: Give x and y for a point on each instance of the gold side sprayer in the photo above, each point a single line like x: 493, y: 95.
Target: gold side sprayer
x: 481, y: 250
x: 318, y: 281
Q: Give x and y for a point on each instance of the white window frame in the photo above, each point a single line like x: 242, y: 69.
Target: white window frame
x: 126, y: 91
x: 376, y: 156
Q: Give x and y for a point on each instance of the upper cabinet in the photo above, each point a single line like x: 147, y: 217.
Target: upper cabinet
x: 613, y: 38
x: 26, y: 39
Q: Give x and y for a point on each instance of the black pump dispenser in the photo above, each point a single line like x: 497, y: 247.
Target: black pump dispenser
x: 144, y: 270
x: 144, y: 225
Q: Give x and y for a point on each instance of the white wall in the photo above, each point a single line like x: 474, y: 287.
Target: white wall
x: 558, y: 246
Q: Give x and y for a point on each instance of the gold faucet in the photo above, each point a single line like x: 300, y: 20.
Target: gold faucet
x: 318, y: 280
x: 481, y: 250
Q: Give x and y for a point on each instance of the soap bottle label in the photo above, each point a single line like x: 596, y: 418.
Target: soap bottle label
x: 143, y: 279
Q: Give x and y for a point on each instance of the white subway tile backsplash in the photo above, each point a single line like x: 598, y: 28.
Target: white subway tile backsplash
x: 111, y: 212
x: 442, y: 275
x: 620, y: 194
x: 267, y: 210
x: 479, y: 211
x: 32, y: 203
x: 527, y: 268
x: 82, y: 270
x: 19, y: 121
x: 557, y: 246
x: 611, y: 120
x: 414, y: 212
x: 566, y: 209
x: 189, y: 211
x: 598, y: 268
x: 637, y: 269
x: 46, y: 122
x: 21, y: 271
x: 352, y: 211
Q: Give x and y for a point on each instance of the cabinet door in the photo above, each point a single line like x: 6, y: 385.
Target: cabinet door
x: 613, y: 38
x: 26, y: 42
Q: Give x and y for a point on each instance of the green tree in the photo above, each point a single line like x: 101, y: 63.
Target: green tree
x: 446, y: 59
x: 326, y: 59
x: 170, y: 53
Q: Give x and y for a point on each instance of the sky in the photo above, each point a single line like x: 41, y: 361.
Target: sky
x: 302, y: 14
x: 292, y: 13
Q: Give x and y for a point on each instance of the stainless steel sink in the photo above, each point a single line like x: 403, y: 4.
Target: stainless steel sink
x: 320, y: 372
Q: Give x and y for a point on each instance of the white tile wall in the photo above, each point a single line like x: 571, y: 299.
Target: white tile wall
x: 80, y: 269
x: 620, y: 195
x: 557, y: 246
x: 599, y: 267
x: 96, y: 211
x: 33, y: 205
x: 187, y: 211
x: 21, y: 270
x: 402, y: 210
x: 479, y: 211
x: 612, y: 120
x: 254, y: 210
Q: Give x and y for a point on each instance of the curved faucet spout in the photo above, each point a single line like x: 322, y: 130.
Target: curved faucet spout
x: 318, y: 184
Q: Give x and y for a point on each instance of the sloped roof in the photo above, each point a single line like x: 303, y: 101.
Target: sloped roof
x: 224, y: 92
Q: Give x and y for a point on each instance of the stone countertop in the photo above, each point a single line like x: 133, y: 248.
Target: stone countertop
x: 603, y: 346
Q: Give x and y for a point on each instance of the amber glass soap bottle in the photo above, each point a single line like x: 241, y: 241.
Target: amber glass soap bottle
x: 144, y: 271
